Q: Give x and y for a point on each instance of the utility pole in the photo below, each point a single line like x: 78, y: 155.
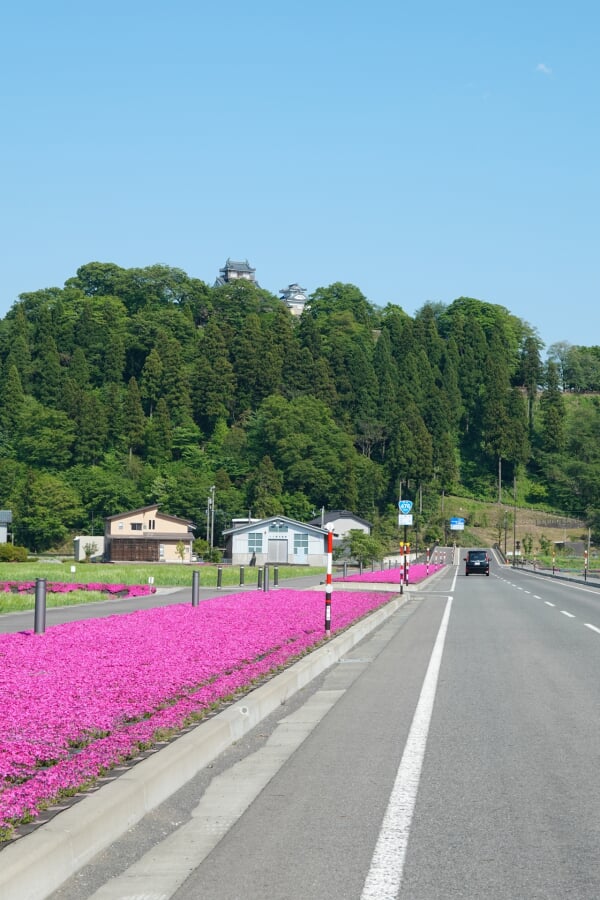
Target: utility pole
x: 211, y: 503
x: 515, y: 522
x: 499, y: 479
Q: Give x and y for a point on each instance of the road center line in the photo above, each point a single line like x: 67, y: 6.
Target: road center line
x: 547, y: 602
x: 385, y: 875
x: 565, y: 613
x: 593, y: 627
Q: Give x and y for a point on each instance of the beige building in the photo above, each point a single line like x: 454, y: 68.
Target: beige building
x: 147, y: 535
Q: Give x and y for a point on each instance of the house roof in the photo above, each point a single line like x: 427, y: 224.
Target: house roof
x: 143, y: 509
x: 334, y: 514
x: 252, y: 526
x: 5, y: 516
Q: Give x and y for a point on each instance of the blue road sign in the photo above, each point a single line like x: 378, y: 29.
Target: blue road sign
x: 405, y: 506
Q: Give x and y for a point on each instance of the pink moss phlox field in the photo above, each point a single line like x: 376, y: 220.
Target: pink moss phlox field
x: 83, y: 696
x: 416, y: 573
x: 58, y: 587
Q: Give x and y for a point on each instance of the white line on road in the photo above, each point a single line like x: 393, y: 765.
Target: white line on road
x: 593, y: 627
x: 535, y: 597
x: 547, y: 602
x: 387, y: 866
x: 565, y: 613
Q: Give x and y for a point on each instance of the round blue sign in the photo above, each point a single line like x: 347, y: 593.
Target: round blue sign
x: 405, y: 506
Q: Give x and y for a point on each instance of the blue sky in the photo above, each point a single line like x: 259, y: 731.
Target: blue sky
x: 420, y: 151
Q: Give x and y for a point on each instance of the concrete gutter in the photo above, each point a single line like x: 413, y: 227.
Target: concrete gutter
x: 37, y: 864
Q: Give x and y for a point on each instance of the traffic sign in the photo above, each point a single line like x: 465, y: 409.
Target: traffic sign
x: 405, y: 506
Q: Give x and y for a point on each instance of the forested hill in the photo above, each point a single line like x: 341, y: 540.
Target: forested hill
x: 133, y: 386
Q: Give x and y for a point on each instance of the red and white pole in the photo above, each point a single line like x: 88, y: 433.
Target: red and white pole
x: 328, y: 584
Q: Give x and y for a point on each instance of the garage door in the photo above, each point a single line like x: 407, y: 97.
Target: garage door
x: 278, y: 551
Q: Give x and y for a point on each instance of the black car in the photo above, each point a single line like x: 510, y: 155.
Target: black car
x: 477, y: 561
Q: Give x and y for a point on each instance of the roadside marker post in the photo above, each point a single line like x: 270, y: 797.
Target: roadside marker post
x: 40, y: 606
x: 328, y: 584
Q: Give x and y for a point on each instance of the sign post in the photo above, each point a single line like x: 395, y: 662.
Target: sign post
x: 405, y: 518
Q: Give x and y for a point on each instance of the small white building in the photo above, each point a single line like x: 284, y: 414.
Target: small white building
x: 5, y: 521
x: 277, y: 540
x: 341, y: 521
x: 84, y: 542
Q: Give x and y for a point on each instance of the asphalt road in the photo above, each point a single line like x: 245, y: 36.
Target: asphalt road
x: 454, y: 753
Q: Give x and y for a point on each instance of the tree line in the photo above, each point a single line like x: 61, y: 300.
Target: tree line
x: 133, y: 386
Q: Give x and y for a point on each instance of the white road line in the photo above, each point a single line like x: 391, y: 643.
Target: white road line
x: 593, y: 627
x: 565, y: 613
x: 547, y: 602
x: 385, y: 875
x: 535, y: 597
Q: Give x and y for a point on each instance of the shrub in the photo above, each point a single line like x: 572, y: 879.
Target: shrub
x: 12, y: 553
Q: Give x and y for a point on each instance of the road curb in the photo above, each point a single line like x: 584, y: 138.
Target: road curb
x: 37, y: 864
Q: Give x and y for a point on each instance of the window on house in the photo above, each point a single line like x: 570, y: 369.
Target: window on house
x: 301, y: 543
x: 161, y: 551
x: 136, y: 526
x: 278, y: 526
x: 255, y: 543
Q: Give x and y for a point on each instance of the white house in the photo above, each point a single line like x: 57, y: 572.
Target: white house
x: 277, y: 540
x: 342, y: 521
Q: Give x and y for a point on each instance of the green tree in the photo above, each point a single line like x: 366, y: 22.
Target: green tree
x: 552, y: 411
x: 265, y: 489
x: 11, y: 403
x: 45, y: 438
x: 315, y: 456
x: 79, y: 371
x: 531, y: 372
x: 159, y: 435
x: 363, y: 547
x: 46, y: 511
x: 151, y: 381
x: 134, y: 419
x: 47, y: 375
x: 175, y: 388
x: 213, y: 382
x: 92, y: 430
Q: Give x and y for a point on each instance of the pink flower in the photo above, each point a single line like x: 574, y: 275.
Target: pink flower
x: 84, y: 695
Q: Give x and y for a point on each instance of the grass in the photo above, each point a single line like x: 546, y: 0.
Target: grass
x: 164, y: 575
x: 23, y: 602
